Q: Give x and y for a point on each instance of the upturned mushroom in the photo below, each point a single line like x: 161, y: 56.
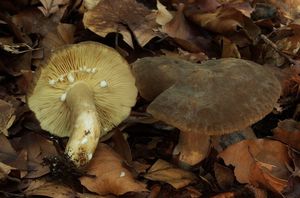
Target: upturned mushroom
x: 221, y: 97
x: 82, y: 91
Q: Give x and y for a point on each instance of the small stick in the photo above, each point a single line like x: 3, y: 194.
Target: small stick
x: 274, y: 46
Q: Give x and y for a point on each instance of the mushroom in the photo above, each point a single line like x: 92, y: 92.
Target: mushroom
x: 82, y: 91
x: 155, y: 74
x: 220, y: 97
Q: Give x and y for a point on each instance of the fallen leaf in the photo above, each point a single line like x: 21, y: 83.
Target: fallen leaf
x: 7, y: 116
x: 225, y: 195
x: 224, y: 176
x: 183, y: 34
x: 37, y: 148
x: 124, y: 17
x: 51, y: 6
x: 42, y: 187
x: 166, y: 172
x: 288, y: 131
x: 226, y: 20
x: 289, y: 8
x: 33, y: 21
x: 63, y: 34
x: 163, y: 16
x: 110, y: 175
x: 90, y: 4
x: 4, y: 170
x: 229, y: 48
x: 259, y: 162
x: 196, y: 57
x: 89, y: 195
x: 202, y: 6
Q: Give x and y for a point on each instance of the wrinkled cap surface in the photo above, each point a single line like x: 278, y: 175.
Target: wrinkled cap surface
x: 155, y: 74
x: 223, y: 97
x: 104, y: 70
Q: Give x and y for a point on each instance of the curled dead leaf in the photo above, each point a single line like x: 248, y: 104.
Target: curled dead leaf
x: 41, y: 187
x: 124, y: 17
x: 226, y: 20
x: 111, y: 177
x: 163, y: 16
x: 166, y: 172
x: 288, y: 131
x: 7, y: 116
x: 259, y: 162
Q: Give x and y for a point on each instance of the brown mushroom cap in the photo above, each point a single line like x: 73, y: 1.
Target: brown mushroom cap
x: 155, y: 74
x: 107, y: 75
x: 223, y: 97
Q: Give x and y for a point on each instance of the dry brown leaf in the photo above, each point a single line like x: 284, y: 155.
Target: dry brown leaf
x: 89, y: 195
x: 63, y: 34
x: 229, y: 48
x: 225, y: 195
x: 7, y: 116
x: 289, y: 8
x: 258, y: 192
x: 163, y: 16
x: 260, y: 162
x: 42, y: 187
x: 7, y: 152
x: 111, y: 176
x: 202, y: 6
x: 288, y: 131
x: 224, y: 176
x: 122, y: 16
x: 90, y: 4
x: 197, y: 57
x: 166, y: 172
x: 33, y: 21
x: 51, y: 6
x: 36, y: 147
x: 226, y: 20
x: 4, y: 170
x: 183, y: 34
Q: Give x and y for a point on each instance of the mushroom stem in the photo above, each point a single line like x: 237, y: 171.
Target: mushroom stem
x: 192, y: 147
x: 85, y: 125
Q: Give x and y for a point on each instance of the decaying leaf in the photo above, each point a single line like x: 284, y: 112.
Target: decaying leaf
x: 90, y: 4
x: 180, y: 30
x: 36, y: 148
x: 46, y: 188
x: 259, y: 162
x: 18, y: 48
x: 288, y: 131
x: 224, y: 176
x: 163, y: 15
x: 124, y: 17
x: 226, y: 20
x: 4, y: 170
x: 63, y: 34
x: 229, y: 48
x: 111, y: 177
x: 51, y: 6
x: 166, y: 172
x: 7, y: 116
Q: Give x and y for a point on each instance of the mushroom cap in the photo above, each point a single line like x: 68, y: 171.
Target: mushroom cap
x: 225, y: 96
x: 155, y: 74
x: 104, y: 70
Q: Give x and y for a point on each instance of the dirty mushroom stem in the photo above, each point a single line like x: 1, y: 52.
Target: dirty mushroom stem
x: 192, y: 147
x: 86, y: 127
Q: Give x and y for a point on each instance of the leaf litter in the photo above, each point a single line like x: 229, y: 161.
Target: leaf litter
x: 138, y: 160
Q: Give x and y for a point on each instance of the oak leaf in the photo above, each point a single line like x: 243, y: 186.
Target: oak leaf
x: 111, y: 177
x: 124, y: 17
x: 259, y: 162
x: 166, y: 172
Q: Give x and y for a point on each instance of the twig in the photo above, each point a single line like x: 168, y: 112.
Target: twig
x: 274, y: 46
